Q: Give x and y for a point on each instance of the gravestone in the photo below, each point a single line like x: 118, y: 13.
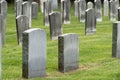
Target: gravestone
x: 89, y: 5
x: 117, y: 5
x: 76, y: 8
x: 62, y: 10
x: 116, y: 40
x: 15, y: 4
x: 47, y: 10
x: 0, y: 58
x: 3, y: 12
x: 2, y: 29
x: 106, y: 7
x: 119, y: 14
x: 68, y: 50
x: 54, y: 4
x: 26, y: 11
x: 112, y: 11
x: 18, y: 7
x: 82, y: 8
x: 55, y: 25
x: 98, y: 10
x: 90, y: 22
x: 34, y: 53
x: 66, y: 10
x: 34, y: 10
x: 22, y: 24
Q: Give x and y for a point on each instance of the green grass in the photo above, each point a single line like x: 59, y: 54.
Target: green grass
x: 95, y: 60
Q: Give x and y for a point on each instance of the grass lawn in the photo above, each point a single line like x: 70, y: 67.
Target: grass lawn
x: 95, y: 61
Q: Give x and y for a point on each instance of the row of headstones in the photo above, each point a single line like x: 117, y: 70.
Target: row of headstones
x: 80, y: 7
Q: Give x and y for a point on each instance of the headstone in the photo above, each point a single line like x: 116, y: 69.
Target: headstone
x: 66, y: 10
x: 55, y: 25
x: 2, y: 29
x: 119, y: 14
x: 90, y: 22
x: 47, y: 10
x: 62, y: 10
x: 42, y: 5
x: 98, y: 10
x: 34, y: 53
x: 15, y: 4
x: 22, y: 25
x: 3, y: 12
x: 116, y: 40
x: 68, y: 50
x: 34, y: 10
x: 117, y: 5
x: 54, y: 4
x: 89, y: 5
x: 18, y: 7
x: 82, y: 8
x: 112, y: 11
x: 106, y: 7
x: 26, y: 11
x: 76, y: 8
x: 0, y: 58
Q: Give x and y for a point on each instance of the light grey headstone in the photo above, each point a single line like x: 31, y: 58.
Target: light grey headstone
x: 3, y: 12
x: 112, y: 10
x: 76, y: 8
x: 89, y: 5
x: 116, y: 40
x: 18, y: 7
x: 98, y: 10
x: 68, y: 50
x: 34, y: 10
x: 82, y: 8
x: 15, y: 4
x: 55, y: 4
x: 67, y: 5
x: 22, y: 24
x: 34, y: 53
x: 0, y: 58
x: 55, y: 25
x: 26, y: 11
x: 47, y: 10
x: 42, y: 5
x: 106, y: 7
x: 90, y: 22
x: 119, y: 14
x: 117, y: 5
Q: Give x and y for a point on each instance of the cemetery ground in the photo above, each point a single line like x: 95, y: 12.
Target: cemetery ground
x: 95, y: 52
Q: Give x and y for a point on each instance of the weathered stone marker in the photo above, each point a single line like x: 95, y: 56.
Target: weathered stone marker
x: 22, y: 24
x: 106, y: 7
x: 3, y: 12
x: 55, y: 25
x: 89, y: 5
x: 65, y: 11
x: 34, y: 53
x: 18, y: 7
x: 90, y: 22
x: 112, y: 10
x: 34, y: 10
x: 25, y: 9
x: 68, y: 52
x: 98, y: 10
x: 76, y: 8
x: 82, y: 8
x: 116, y: 40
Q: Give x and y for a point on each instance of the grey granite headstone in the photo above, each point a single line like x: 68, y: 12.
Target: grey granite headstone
x: 34, y: 53
x: 34, y: 10
x: 68, y: 50
x: 42, y: 5
x: 106, y: 7
x: 0, y: 58
x: 15, y: 4
x: 98, y: 10
x: 54, y: 4
x: 90, y: 22
x: 47, y: 10
x: 119, y: 14
x: 26, y: 11
x: 3, y: 12
x: 112, y: 10
x: 82, y: 8
x: 18, y: 7
x: 117, y: 5
x: 116, y: 40
x: 55, y: 25
x: 76, y: 8
x: 89, y: 5
x: 22, y: 24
